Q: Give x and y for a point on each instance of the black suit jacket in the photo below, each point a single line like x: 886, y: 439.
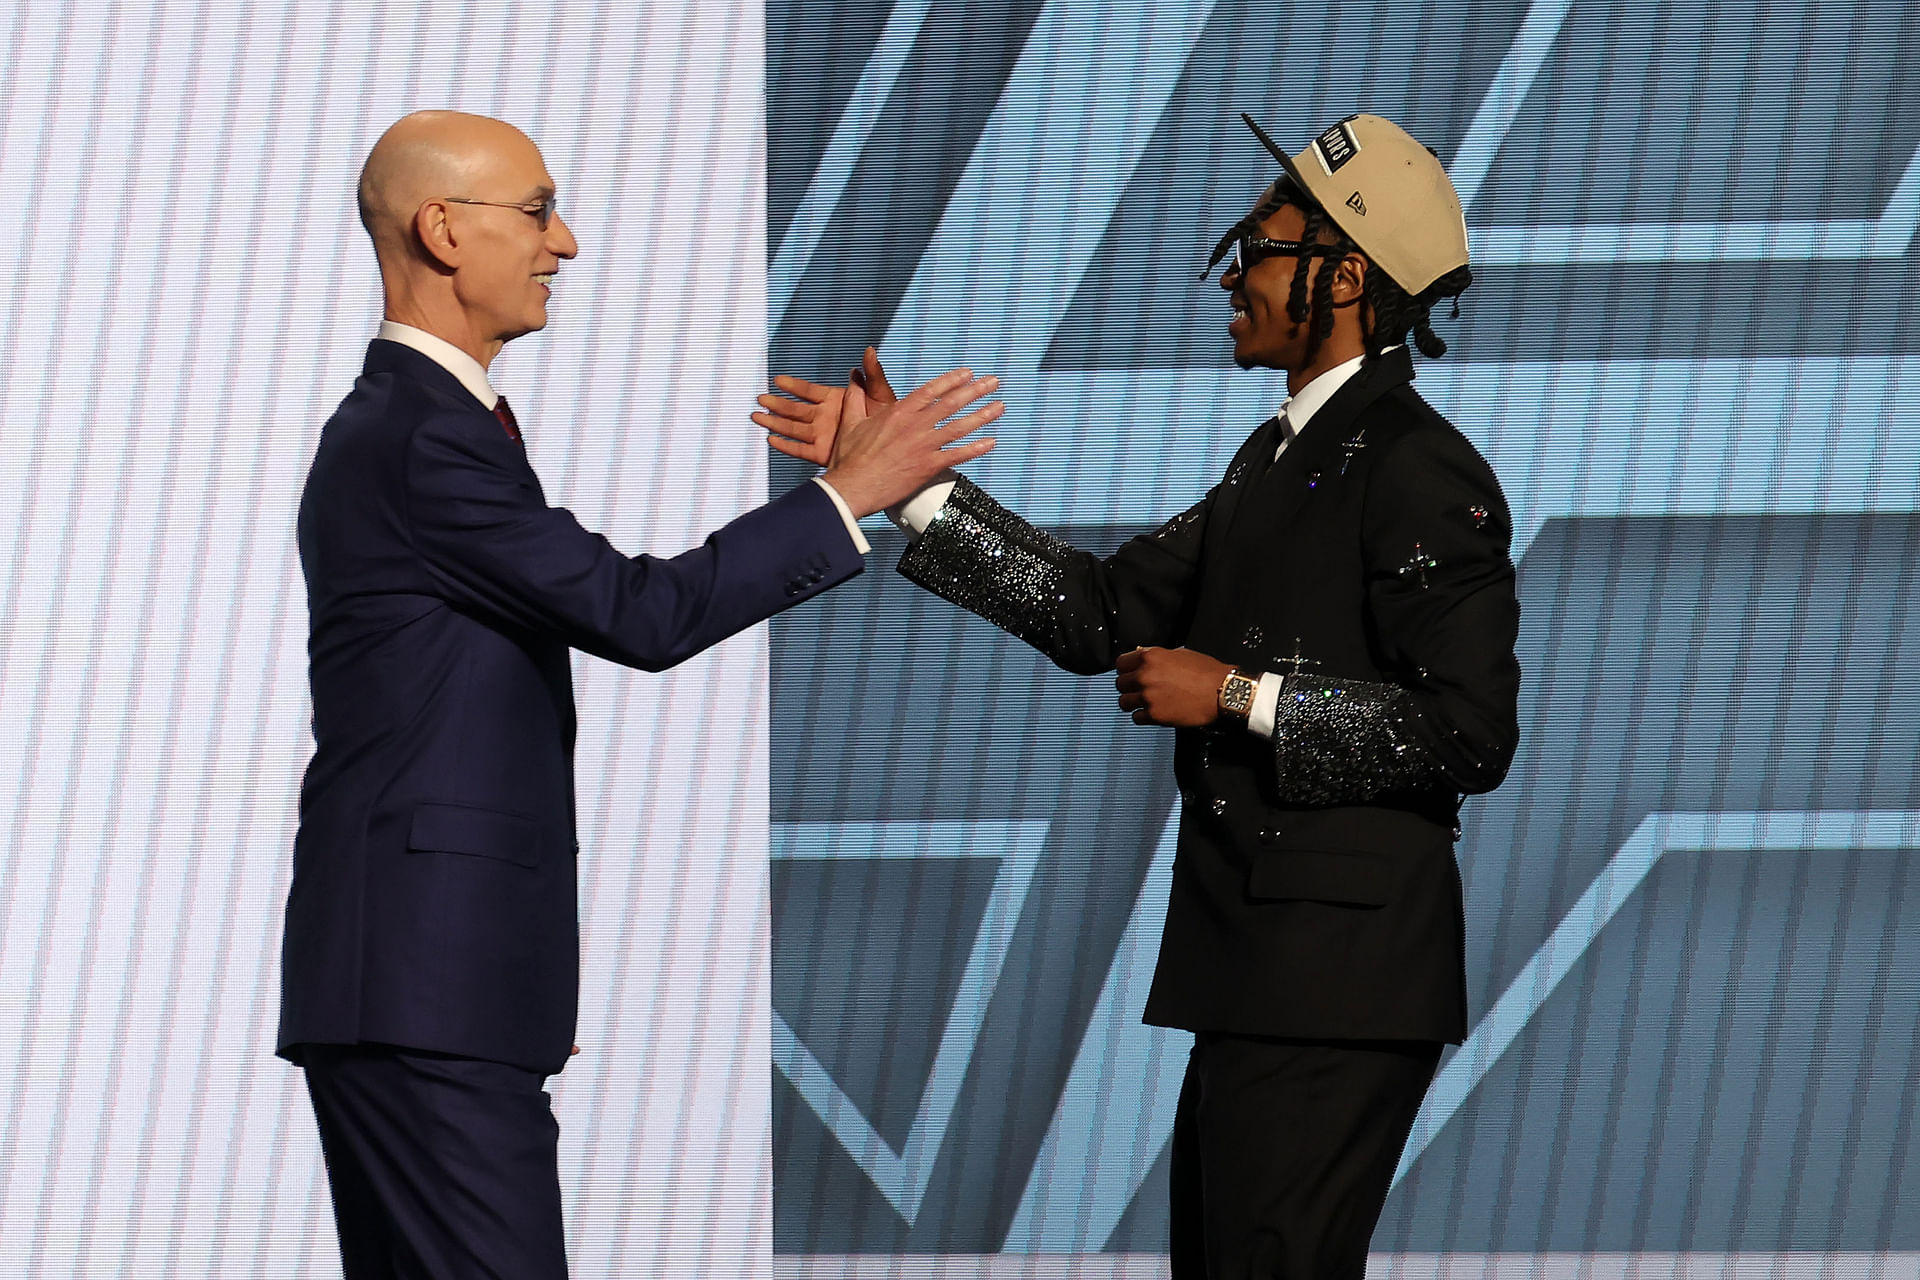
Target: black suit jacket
x: 1315, y: 892
x: 433, y: 903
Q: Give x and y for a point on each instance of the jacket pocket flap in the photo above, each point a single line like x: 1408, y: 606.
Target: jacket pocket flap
x: 1325, y: 875
x: 1359, y: 855
x: 458, y: 828
x: 1360, y: 829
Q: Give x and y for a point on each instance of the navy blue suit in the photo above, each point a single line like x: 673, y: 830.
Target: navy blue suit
x: 433, y: 905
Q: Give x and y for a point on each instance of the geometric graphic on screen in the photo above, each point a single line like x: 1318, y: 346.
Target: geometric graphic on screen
x: 1692, y: 195
x: 1658, y: 654
x: 833, y: 882
x: 1691, y: 354
x: 1658, y: 835
x: 1058, y: 1216
x: 1746, y: 164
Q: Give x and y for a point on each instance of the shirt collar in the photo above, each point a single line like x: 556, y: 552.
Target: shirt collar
x: 458, y: 363
x: 1298, y: 409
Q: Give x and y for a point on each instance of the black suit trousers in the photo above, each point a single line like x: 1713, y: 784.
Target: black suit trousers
x: 442, y: 1168
x: 1284, y: 1150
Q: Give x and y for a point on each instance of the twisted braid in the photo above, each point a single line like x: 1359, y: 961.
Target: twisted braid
x: 1396, y: 313
x: 1333, y: 245
x: 1280, y: 193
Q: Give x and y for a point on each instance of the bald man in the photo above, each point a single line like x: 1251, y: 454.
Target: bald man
x: 430, y: 962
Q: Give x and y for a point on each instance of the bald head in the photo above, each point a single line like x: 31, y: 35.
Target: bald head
x: 432, y: 154
x: 459, y: 209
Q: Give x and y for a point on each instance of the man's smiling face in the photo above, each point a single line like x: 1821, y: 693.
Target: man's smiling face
x: 506, y: 279
x: 1264, y: 335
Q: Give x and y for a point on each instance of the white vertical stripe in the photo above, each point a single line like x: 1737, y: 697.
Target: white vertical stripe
x: 194, y: 297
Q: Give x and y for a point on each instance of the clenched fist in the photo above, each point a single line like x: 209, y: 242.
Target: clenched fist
x: 1175, y: 687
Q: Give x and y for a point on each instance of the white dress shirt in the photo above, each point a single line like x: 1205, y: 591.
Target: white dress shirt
x: 473, y: 376
x: 915, y: 514
x: 1297, y: 411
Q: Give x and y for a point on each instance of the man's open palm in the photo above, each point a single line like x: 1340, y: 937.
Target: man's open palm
x: 802, y: 423
x: 884, y: 456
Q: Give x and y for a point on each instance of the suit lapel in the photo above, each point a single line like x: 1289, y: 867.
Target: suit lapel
x: 386, y: 356
x: 1244, y: 472
x: 398, y: 359
x: 1274, y: 499
x: 1326, y: 448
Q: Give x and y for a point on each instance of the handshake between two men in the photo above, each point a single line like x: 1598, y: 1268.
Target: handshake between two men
x: 863, y: 434
x: 1372, y: 540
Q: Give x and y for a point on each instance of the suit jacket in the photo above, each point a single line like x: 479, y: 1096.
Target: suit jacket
x: 1315, y: 893
x: 433, y: 903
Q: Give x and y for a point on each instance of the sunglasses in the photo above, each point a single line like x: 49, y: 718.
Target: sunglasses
x: 1250, y: 249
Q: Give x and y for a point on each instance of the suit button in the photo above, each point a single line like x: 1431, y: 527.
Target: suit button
x: 1268, y: 835
x: 815, y: 576
x: 1219, y: 806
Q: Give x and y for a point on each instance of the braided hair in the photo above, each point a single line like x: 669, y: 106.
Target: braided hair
x: 1395, y: 311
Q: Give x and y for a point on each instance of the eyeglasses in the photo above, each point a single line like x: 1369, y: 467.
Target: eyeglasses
x: 1248, y: 250
x: 541, y: 211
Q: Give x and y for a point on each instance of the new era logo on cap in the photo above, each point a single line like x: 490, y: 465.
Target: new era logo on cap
x: 1409, y: 222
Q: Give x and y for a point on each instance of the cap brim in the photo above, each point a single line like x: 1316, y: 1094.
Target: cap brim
x: 1286, y: 161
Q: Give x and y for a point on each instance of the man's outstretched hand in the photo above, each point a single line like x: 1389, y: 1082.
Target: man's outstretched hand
x: 881, y: 454
x: 803, y: 427
x: 1177, y: 687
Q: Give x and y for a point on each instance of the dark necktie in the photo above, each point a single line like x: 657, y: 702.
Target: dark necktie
x: 1286, y: 434
x: 503, y: 411
x: 1282, y: 437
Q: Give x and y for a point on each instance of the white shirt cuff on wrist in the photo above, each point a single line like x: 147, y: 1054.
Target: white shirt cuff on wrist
x: 860, y: 542
x: 1266, y: 707
x: 916, y: 513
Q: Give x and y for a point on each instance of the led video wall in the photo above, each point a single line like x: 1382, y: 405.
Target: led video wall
x: 190, y: 293
x: 1692, y: 353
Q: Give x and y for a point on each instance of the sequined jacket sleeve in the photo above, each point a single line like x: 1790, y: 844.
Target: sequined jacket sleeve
x: 1079, y: 610
x: 1442, y: 608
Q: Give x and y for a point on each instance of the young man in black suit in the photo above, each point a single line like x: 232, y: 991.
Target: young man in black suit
x: 1331, y: 632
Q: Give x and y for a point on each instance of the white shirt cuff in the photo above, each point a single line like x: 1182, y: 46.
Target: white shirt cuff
x: 916, y: 513
x: 860, y: 542
x: 1266, y: 707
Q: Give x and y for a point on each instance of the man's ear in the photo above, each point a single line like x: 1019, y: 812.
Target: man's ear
x: 434, y: 230
x: 1350, y: 280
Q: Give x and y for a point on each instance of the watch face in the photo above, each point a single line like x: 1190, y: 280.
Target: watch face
x: 1237, y: 696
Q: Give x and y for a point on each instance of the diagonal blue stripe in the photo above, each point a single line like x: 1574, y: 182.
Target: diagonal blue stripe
x: 829, y: 183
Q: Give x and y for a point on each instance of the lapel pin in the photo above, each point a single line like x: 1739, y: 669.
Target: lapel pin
x: 1350, y: 448
x: 1297, y: 661
x: 1418, y: 565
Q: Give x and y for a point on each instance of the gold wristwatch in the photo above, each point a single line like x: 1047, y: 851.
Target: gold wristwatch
x: 1236, y: 695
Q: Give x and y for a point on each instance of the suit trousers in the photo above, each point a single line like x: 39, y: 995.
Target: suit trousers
x: 442, y: 1168
x: 1283, y: 1152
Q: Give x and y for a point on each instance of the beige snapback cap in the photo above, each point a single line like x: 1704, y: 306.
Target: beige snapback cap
x: 1387, y: 192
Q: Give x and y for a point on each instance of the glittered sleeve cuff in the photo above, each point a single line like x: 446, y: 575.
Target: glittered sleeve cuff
x: 1339, y: 742
x: 984, y: 558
